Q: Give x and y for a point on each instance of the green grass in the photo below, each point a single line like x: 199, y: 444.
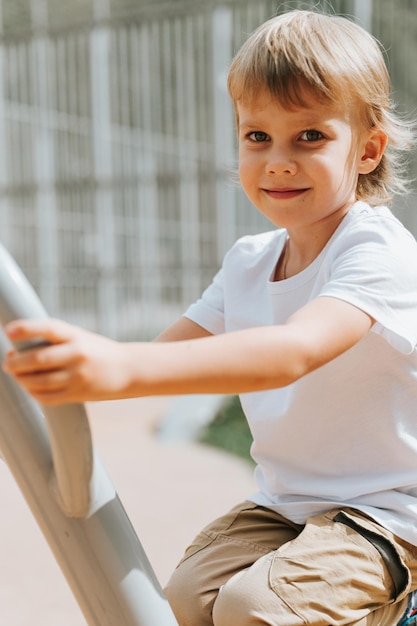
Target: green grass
x: 229, y: 430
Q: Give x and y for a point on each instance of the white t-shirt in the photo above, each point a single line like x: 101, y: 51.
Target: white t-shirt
x: 345, y: 434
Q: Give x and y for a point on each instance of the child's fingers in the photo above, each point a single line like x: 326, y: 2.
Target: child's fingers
x: 65, y: 364
x: 51, y: 382
x: 50, y: 330
x: 40, y: 359
x: 50, y: 389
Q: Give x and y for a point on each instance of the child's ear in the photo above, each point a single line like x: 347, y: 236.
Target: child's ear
x: 373, y: 151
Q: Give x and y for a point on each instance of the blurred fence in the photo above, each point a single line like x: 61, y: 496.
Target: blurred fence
x: 117, y: 149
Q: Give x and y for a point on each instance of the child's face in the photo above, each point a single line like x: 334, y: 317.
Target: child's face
x: 300, y: 166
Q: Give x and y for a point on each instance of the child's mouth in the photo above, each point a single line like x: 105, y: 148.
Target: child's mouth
x: 285, y: 193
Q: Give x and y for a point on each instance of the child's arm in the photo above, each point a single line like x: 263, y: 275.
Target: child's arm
x: 81, y: 366
x: 183, y: 329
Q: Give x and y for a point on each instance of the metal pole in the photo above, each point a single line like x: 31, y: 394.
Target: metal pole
x: 98, y: 551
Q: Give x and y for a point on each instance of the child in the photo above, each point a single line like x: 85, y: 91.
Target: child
x: 315, y: 324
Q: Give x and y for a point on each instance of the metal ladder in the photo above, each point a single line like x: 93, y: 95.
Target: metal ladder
x: 50, y: 454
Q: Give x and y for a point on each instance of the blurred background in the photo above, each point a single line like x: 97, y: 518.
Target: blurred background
x: 117, y: 146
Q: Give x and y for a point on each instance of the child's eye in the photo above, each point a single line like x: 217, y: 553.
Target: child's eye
x: 258, y: 136
x: 311, y: 135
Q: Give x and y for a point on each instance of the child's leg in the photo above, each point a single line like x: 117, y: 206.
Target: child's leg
x: 339, y: 570
x: 225, y: 547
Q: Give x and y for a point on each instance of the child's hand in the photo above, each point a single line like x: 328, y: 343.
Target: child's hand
x: 76, y: 366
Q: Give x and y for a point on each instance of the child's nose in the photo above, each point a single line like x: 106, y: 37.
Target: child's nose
x: 281, y: 162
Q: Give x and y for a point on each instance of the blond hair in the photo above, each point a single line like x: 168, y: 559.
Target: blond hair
x: 339, y: 62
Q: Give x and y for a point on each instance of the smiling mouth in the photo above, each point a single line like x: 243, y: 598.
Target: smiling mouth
x: 285, y: 193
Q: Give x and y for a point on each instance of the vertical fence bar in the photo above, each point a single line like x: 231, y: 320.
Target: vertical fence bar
x: 149, y: 271
x: 363, y: 10
x: 4, y: 204
x: 188, y: 159
x: 224, y: 129
x: 103, y: 169
x: 44, y: 162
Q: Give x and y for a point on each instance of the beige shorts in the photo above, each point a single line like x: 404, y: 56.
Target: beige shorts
x: 340, y: 568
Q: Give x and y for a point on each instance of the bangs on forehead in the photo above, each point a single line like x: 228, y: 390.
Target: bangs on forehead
x: 285, y: 83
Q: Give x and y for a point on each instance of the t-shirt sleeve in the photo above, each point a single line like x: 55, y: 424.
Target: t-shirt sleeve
x: 238, y: 296
x: 208, y: 311
x: 376, y: 270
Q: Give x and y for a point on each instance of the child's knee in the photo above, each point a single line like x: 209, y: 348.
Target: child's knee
x: 191, y: 607
x: 248, y: 599
x: 232, y: 605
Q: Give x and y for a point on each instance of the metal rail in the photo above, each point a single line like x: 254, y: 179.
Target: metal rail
x: 50, y: 454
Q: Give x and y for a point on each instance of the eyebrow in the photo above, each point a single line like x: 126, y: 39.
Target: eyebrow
x: 306, y: 122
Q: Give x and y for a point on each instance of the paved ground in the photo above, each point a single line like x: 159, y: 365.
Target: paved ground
x: 169, y: 489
